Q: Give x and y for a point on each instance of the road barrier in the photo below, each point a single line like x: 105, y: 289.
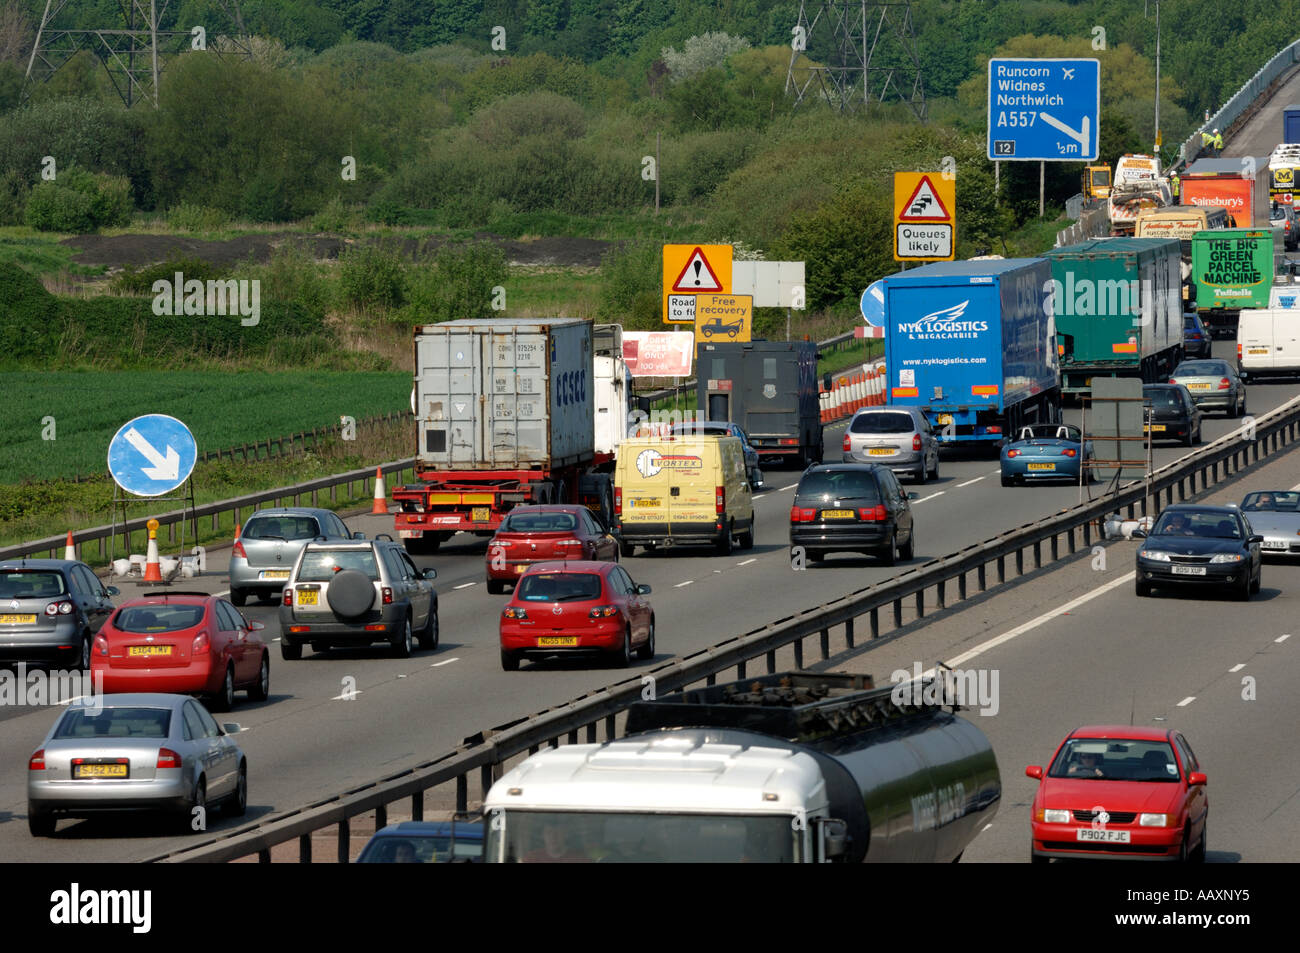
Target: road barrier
x: 594, y: 717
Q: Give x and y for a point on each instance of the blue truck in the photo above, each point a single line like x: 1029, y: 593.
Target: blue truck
x: 973, y: 344
x: 1291, y: 124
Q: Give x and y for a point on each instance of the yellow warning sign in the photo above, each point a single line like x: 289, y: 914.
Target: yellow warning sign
x: 723, y: 317
x: 925, y: 227
x: 691, y: 270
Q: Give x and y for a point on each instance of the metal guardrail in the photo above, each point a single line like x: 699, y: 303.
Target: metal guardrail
x: 486, y: 753
x: 299, y: 442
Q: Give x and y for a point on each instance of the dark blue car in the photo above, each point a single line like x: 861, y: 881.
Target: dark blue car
x: 425, y: 842
x: 1196, y: 340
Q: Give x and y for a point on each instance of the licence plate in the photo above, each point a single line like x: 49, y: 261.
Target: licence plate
x: 480, y: 514
x: 944, y: 419
x: 1256, y: 350
x: 275, y: 574
x: 1198, y: 386
x: 1102, y: 836
x: 882, y: 451
x: 99, y: 770
x: 837, y: 514
x: 311, y: 598
x: 557, y: 641
x: 1041, y: 466
x: 17, y: 619
x: 1274, y: 544
x: 1189, y: 570
x: 148, y: 650
x: 521, y: 568
x: 643, y: 503
x: 1157, y: 428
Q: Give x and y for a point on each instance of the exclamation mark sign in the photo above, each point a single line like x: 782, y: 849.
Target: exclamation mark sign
x: 698, y: 265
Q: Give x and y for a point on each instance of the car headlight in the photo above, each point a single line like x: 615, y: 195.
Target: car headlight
x: 1153, y: 820
x: 1227, y: 558
x: 1056, y: 817
x: 1156, y: 554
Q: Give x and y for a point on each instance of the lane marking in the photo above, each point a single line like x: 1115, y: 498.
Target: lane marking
x: 686, y: 583
x: 345, y: 696
x: 1282, y: 638
x: 969, y: 482
x: 1237, y: 668
x: 1187, y: 701
x: 986, y: 827
x: 790, y: 487
x: 465, y: 585
x: 447, y: 662
x: 1045, y: 617
x: 748, y: 561
x: 930, y: 497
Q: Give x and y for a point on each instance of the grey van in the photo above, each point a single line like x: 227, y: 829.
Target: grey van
x: 899, y: 438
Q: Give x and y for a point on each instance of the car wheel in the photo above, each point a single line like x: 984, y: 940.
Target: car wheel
x: 934, y: 473
x: 509, y: 661
x: 889, y: 555
x: 623, y: 657
x: 429, y: 635
x: 625, y: 549
x: 496, y: 587
x: 921, y: 472
x: 747, y: 537
x: 85, y: 652
x: 647, y: 651
x: 723, y: 545
x: 1197, y: 441
x: 199, y: 800
x: 1243, y: 406
x: 226, y: 699
x: 909, y: 551
x: 816, y: 556
x: 1184, y: 854
x: 237, y: 805
x: 320, y: 648
x: 401, y: 642
x: 1035, y: 859
x: 1243, y: 591
x: 1190, y: 439
x: 290, y: 651
x: 238, y: 596
x: 1143, y: 589
x: 1232, y: 411
x: 261, y: 690
x: 1007, y: 481
x: 40, y: 825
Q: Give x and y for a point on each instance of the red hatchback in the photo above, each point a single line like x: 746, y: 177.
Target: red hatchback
x: 577, y: 608
x: 185, y: 643
x: 1121, y: 792
x: 532, y: 534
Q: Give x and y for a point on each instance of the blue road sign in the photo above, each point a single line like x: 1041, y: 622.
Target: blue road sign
x: 1044, y: 110
x: 152, y: 455
x: 872, y: 304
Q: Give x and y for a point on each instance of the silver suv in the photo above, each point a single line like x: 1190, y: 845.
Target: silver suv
x: 269, y: 544
x: 50, y: 610
x: 899, y: 438
x: 356, y: 593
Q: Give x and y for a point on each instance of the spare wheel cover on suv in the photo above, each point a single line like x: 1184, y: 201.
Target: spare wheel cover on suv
x: 351, y: 593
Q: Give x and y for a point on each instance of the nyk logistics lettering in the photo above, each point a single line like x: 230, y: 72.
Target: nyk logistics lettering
x: 942, y: 324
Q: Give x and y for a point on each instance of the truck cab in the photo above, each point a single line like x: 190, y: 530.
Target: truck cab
x: 1096, y: 183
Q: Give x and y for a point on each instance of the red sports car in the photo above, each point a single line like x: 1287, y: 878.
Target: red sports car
x: 577, y: 608
x: 532, y: 534
x: 1116, y: 791
x: 185, y: 643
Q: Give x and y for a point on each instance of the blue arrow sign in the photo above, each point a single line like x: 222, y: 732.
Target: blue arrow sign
x: 872, y: 304
x: 152, y: 455
x: 1044, y: 110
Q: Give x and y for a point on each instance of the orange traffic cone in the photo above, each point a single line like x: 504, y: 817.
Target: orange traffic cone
x: 381, y: 494
x: 70, y: 551
x: 237, y: 531
x: 152, y: 569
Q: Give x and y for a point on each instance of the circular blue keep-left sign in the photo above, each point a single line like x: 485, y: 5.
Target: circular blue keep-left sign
x: 152, y: 455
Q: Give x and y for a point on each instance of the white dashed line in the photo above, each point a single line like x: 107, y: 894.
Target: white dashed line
x: 346, y: 696
x: 1282, y: 638
x: 930, y: 497
x: 748, y: 561
x: 790, y: 487
x: 1187, y: 701
x: 986, y: 827
x: 465, y: 585
x: 686, y: 583
x: 969, y: 482
x: 1237, y: 668
x: 445, y: 662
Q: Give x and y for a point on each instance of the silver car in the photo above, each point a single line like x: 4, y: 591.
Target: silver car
x: 269, y: 545
x: 899, y: 438
x: 1275, y: 515
x: 1212, y: 383
x: 135, y: 752
x: 50, y: 610
x: 357, y: 593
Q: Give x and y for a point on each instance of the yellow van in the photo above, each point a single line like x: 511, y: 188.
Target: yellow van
x: 676, y: 490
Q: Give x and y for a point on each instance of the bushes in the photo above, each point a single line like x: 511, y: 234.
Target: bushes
x: 633, y: 284
x: 372, y: 276
x: 133, y: 281
x: 78, y: 202
x: 197, y: 218
x: 458, y: 284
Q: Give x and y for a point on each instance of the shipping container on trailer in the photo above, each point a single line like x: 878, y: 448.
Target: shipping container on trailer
x: 973, y: 344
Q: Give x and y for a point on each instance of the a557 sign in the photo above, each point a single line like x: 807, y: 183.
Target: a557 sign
x: 1044, y: 110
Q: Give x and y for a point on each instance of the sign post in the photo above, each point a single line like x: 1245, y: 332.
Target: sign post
x: 924, y: 217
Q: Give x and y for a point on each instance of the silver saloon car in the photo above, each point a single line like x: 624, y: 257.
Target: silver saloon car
x: 269, y: 545
x: 135, y: 752
x: 899, y: 438
x: 1275, y: 515
x: 1212, y: 384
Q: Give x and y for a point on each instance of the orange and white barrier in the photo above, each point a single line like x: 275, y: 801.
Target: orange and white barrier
x: 380, y: 506
x: 152, y: 568
x: 70, y: 550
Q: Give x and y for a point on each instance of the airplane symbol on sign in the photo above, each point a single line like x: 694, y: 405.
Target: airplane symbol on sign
x: 1069, y: 73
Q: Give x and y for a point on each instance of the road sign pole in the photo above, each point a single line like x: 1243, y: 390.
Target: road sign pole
x: 1042, y: 176
x: 997, y: 178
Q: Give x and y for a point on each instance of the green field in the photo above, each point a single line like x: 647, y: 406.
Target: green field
x: 222, y: 410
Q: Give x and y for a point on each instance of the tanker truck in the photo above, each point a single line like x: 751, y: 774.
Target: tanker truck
x: 795, y: 767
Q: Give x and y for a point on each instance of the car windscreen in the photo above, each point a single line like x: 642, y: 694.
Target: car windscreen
x: 559, y: 587
x: 114, y: 723
x: 1164, y: 397
x: 420, y: 848
x: 320, y: 565
x: 839, y: 485
x: 1206, y: 525
x: 1108, y: 759
x: 1275, y: 501
x: 281, y: 527
x: 518, y: 522
x: 882, y: 422
x: 1190, y: 323
x: 28, y: 584
x: 1200, y: 369
x: 158, y: 618
x: 1049, y: 432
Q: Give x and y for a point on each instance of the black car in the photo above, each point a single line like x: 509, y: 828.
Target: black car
x: 1174, y: 414
x: 51, y: 610
x: 1196, y: 340
x: 852, y: 507
x: 720, y: 428
x: 1202, y: 546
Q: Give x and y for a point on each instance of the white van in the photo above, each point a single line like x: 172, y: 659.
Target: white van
x: 1268, y: 341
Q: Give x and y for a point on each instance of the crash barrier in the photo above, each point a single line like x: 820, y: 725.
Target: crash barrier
x: 594, y: 717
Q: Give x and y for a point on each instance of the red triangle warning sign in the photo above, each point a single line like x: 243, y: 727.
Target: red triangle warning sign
x: 697, y: 275
x: 924, y: 205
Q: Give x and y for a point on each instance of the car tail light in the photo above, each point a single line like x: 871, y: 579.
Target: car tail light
x: 37, y: 761
x: 1013, y: 453
x: 201, y: 644
x: 1070, y: 452
x: 1238, y: 353
x: 720, y: 499
x: 848, y: 443
x: 62, y: 607
x: 994, y: 429
x: 1172, y: 381
x: 603, y: 612
x: 618, y: 501
x: 514, y: 612
x: 1224, y: 383
x: 238, y: 550
x: 788, y: 442
x: 916, y: 441
x: 101, y: 645
x: 802, y: 514
x: 288, y: 596
x: 873, y: 513
x: 388, y: 595
x: 167, y: 758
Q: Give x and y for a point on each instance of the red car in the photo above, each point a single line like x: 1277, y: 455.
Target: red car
x: 577, y: 608
x: 1115, y: 791
x: 531, y: 534
x: 184, y: 643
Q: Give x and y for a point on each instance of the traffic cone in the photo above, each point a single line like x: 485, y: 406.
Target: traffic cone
x: 381, y: 494
x: 237, y: 532
x: 70, y: 551
x: 152, y: 568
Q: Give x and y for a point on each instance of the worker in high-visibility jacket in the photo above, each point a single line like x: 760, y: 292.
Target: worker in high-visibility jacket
x: 1175, y: 186
x: 1218, y: 142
